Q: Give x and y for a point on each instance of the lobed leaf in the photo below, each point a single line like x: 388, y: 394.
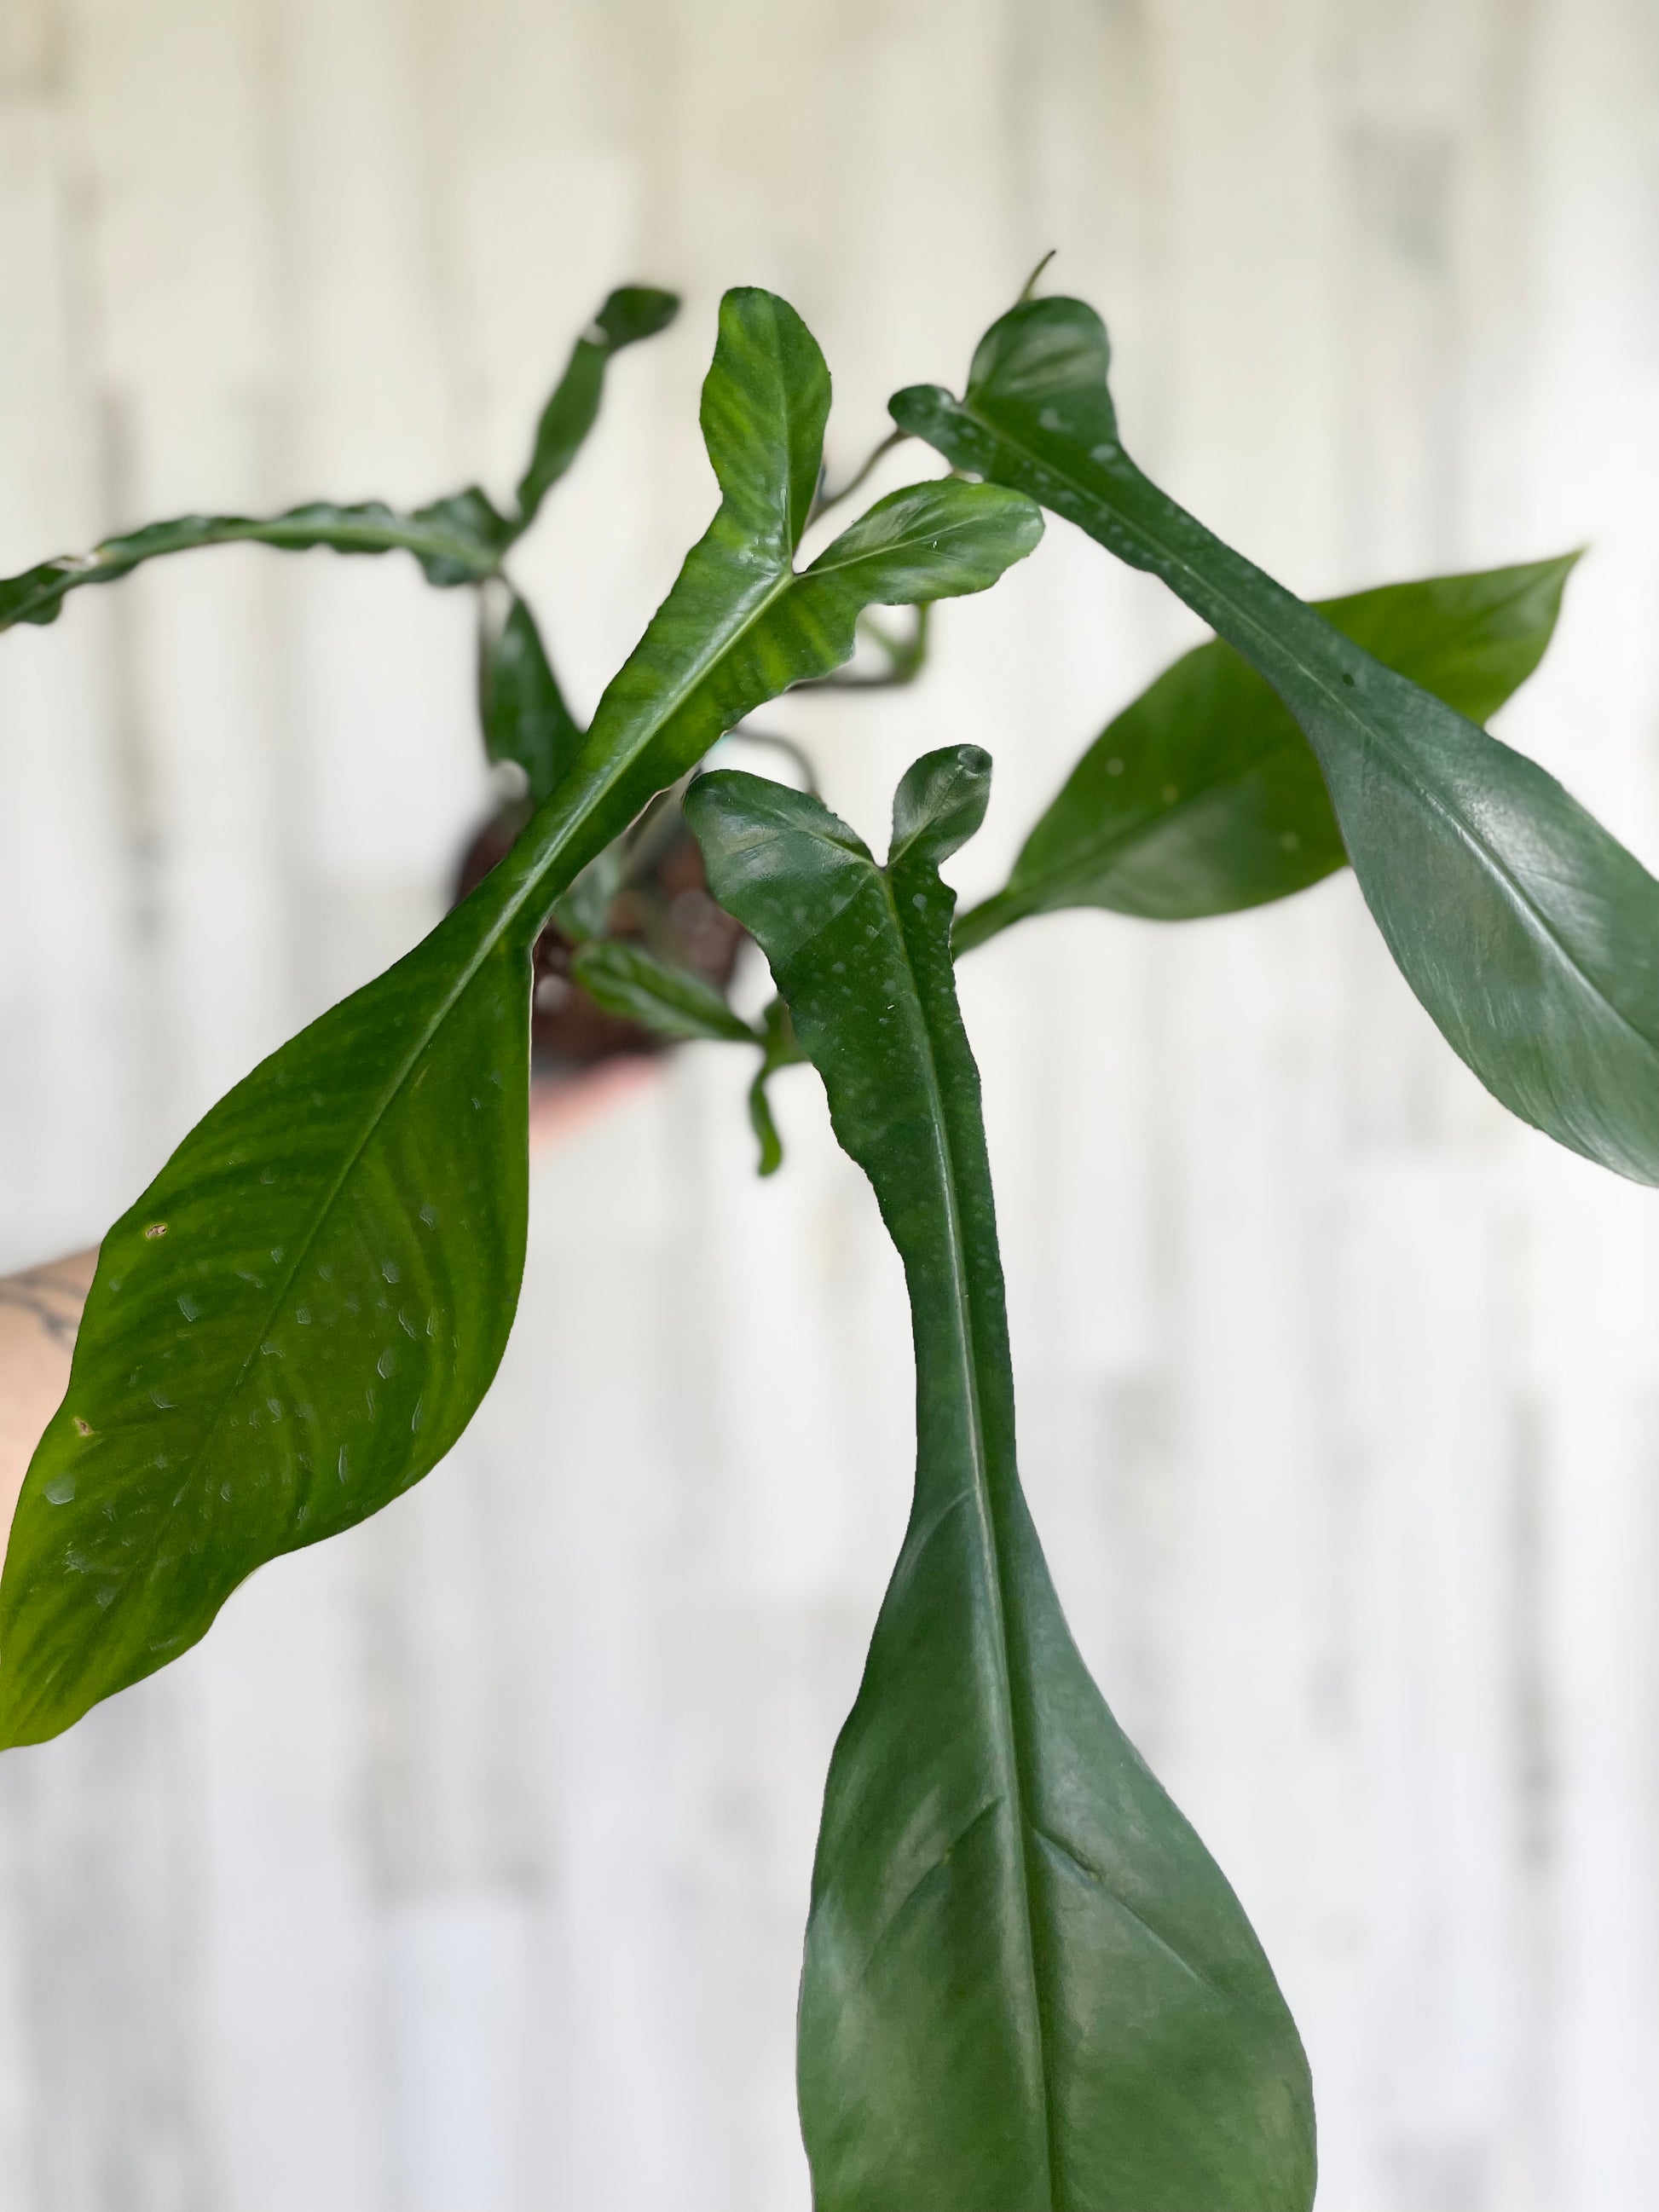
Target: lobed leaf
x: 1027, y: 1986
x: 299, y: 1338
x: 1203, y: 796
x: 1528, y: 934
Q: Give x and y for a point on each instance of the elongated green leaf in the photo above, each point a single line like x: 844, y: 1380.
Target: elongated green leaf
x: 520, y: 705
x: 632, y: 313
x: 456, y: 541
x: 779, y: 1047
x: 1204, y: 797
x: 629, y: 981
x: 1027, y: 1986
x: 1530, y: 934
x: 249, y: 1377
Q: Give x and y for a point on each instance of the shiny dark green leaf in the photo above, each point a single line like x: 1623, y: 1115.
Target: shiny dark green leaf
x: 1027, y: 1987
x: 629, y: 981
x: 520, y: 706
x: 632, y: 313
x: 1530, y: 934
x: 337, y: 1246
x: 1204, y: 797
x: 456, y: 541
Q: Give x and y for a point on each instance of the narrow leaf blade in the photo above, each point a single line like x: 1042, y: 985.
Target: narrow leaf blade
x: 632, y: 313
x: 1027, y: 1986
x: 456, y: 541
x: 1528, y: 934
x: 779, y: 1048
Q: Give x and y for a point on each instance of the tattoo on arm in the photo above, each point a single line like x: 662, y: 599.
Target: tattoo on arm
x: 55, y: 1303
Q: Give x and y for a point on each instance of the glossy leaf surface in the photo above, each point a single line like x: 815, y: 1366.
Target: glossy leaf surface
x: 1027, y: 1986
x: 632, y: 313
x: 630, y: 981
x: 1530, y: 934
x: 292, y: 1325
x: 520, y: 706
x: 162, y: 1483
x: 456, y: 540
x: 1203, y: 796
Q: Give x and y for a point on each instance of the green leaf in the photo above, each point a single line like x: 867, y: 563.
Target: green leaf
x: 520, y: 706
x: 779, y: 1048
x: 1204, y: 797
x: 1530, y: 934
x: 584, y: 910
x: 186, y: 1451
x: 458, y: 539
x: 292, y: 1325
x: 633, y: 313
x: 1027, y: 1986
x: 629, y: 981
x: 455, y: 540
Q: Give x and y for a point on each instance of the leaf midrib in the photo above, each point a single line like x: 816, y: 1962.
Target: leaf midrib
x: 488, y: 944
x: 1346, y: 709
x: 991, y: 1547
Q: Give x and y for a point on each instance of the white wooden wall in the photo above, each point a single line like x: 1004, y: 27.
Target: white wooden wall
x: 463, y: 1869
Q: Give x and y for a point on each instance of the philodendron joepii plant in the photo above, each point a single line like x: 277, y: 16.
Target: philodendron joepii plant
x: 1027, y: 1986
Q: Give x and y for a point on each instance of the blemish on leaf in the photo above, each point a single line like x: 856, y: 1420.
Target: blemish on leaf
x: 81, y: 1428
x: 156, y: 1229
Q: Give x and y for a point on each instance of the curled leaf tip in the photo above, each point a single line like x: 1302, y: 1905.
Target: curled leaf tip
x: 1028, y: 290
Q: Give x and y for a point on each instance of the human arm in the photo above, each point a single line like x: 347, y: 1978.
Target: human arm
x: 40, y: 1314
